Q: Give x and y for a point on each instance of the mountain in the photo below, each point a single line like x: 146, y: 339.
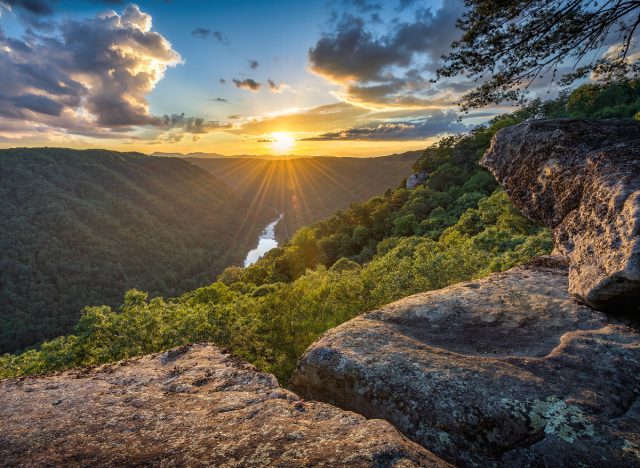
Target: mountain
x: 82, y: 227
x: 307, y: 189
x: 455, y: 225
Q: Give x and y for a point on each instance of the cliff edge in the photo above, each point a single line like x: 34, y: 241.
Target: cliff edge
x: 520, y: 368
x: 191, y: 406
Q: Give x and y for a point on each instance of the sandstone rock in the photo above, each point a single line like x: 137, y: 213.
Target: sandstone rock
x: 581, y: 178
x: 505, y: 371
x: 192, y: 406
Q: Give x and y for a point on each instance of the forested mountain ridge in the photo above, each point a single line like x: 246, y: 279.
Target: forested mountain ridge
x: 307, y: 189
x: 82, y: 227
x: 458, y: 225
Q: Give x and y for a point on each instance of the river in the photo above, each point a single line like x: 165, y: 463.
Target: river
x: 266, y: 242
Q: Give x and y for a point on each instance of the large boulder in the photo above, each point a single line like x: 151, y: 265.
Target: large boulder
x: 581, y: 178
x: 192, y: 406
x: 507, y: 370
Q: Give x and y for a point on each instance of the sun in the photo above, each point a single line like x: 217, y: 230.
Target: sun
x: 282, y: 142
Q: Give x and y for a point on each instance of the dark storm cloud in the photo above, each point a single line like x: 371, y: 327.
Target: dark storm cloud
x: 248, y: 84
x: 253, y: 64
x: 437, y: 123
x: 392, y: 64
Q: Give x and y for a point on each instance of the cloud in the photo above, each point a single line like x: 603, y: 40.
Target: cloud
x: 404, y: 4
x: 248, y: 84
x: 391, y: 68
x: 253, y: 64
x: 44, y: 7
x: 219, y: 99
x: 69, y: 84
x: 201, y: 33
x: 36, y: 7
x: 38, y: 103
x: 221, y: 38
x: 363, y: 5
x: 438, y: 123
x: 316, y: 119
x: 204, y: 34
x: 192, y: 124
x: 276, y: 87
x: 222, y: 81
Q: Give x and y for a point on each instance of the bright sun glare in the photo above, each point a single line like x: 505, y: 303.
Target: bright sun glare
x: 282, y: 141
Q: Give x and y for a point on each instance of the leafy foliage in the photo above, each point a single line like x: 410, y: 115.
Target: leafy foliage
x: 517, y: 42
x: 455, y: 227
x: 83, y: 227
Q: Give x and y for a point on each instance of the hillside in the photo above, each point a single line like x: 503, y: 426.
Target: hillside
x: 308, y: 189
x: 82, y: 227
x: 458, y: 225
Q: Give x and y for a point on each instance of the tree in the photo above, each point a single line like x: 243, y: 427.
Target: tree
x: 520, y: 41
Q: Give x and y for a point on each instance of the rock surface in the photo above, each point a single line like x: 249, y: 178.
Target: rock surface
x: 192, y: 406
x: 415, y: 179
x: 581, y: 178
x: 506, y: 371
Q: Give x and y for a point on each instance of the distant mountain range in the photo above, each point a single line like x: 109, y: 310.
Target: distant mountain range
x: 200, y: 154
x: 307, y: 189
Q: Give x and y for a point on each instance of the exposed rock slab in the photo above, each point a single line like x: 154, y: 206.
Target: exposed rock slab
x: 581, y: 178
x: 508, y: 370
x: 193, y: 406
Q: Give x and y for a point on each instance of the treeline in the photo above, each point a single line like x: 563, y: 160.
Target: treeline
x: 308, y: 189
x: 455, y: 227
x: 82, y: 227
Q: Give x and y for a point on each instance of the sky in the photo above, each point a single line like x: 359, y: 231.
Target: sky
x: 314, y: 77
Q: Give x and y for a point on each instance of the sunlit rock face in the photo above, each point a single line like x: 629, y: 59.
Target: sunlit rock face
x: 503, y: 371
x: 581, y: 178
x: 192, y: 406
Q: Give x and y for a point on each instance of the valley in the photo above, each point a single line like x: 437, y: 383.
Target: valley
x: 307, y: 189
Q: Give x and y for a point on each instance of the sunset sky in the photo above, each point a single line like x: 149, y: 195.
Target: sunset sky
x: 337, y: 77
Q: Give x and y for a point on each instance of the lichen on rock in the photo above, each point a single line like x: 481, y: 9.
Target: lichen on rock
x: 504, y: 371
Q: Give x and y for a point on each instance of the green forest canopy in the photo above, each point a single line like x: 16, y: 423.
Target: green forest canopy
x: 457, y: 226
x: 82, y: 227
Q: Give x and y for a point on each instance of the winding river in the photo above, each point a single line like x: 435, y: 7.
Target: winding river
x: 266, y: 242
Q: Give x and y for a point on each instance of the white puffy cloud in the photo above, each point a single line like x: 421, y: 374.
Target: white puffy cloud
x: 88, y: 77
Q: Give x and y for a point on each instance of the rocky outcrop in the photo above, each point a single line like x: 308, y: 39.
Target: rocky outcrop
x: 507, y: 371
x: 581, y: 178
x: 416, y: 179
x: 192, y: 406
